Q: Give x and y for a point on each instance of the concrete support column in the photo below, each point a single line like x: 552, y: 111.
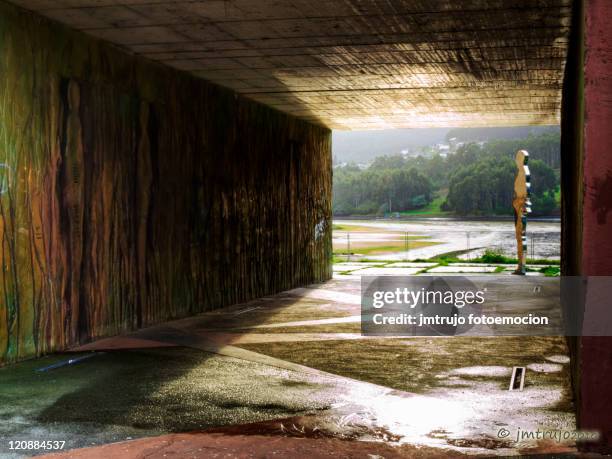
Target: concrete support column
x: 595, y: 409
x: 587, y: 188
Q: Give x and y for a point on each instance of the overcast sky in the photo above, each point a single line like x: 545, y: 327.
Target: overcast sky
x: 362, y: 146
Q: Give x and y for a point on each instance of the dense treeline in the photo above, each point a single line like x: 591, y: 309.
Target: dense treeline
x: 545, y: 147
x: 478, y: 180
x: 485, y: 187
x: 378, y: 191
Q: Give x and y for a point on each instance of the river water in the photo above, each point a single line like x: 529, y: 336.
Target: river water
x: 472, y: 236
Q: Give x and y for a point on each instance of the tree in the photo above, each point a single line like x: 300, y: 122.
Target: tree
x: 367, y: 192
x: 388, y: 162
x: 486, y: 187
x: 479, y: 178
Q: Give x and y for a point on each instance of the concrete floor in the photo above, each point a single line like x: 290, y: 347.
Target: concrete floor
x: 293, y: 367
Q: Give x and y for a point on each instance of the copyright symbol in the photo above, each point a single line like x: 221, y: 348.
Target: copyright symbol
x: 503, y: 433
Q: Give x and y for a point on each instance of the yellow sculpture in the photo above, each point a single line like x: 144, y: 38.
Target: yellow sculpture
x: 522, y: 207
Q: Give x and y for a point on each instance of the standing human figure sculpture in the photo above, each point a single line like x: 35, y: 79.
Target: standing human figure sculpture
x: 522, y: 206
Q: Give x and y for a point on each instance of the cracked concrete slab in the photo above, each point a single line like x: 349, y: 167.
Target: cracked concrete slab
x: 411, y: 264
x: 462, y: 269
x: 384, y: 271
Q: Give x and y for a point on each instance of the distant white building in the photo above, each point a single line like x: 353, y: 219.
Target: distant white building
x: 442, y: 148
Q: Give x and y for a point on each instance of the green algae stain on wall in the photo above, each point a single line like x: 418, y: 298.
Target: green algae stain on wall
x: 132, y: 194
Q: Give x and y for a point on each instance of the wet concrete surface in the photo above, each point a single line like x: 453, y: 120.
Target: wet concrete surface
x: 133, y: 393
x: 244, y: 365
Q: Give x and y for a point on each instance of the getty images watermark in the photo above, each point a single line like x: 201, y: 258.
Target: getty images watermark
x: 489, y: 305
x: 557, y: 435
x: 458, y: 305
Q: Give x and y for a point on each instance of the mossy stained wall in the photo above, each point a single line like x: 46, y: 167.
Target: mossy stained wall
x: 133, y: 194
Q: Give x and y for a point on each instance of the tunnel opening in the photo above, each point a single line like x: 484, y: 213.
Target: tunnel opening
x: 438, y: 176
x: 183, y: 173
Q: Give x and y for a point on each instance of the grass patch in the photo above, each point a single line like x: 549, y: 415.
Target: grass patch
x: 550, y: 271
x: 390, y: 241
x: 381, y: 247
x: 433, y: 209
x: 493, y: 256
x: 489, y: 257
x: 342, y: 259
x: 352, y: 228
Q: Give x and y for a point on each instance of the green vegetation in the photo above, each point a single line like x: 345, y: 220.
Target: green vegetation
x: 393, y: 241
x: 374, y: 191
x: 378, y: 247
x: 551, y: 271
x: 542, y: 142
x: 488, y: 257
x: 352, y: 228
x: 477, y: 179
x: 493, y: 256
x: 342, y: 259
x: 484, y: 182
x: 433, y: 209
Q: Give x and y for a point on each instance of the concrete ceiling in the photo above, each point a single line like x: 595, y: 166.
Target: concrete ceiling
x: 353, y: 64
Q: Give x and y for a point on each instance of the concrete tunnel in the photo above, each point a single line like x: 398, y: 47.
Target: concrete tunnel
x: 163, y: 158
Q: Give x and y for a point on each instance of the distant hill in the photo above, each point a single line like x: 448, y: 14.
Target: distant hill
x: 483, y: 134
x: 364, y: 146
